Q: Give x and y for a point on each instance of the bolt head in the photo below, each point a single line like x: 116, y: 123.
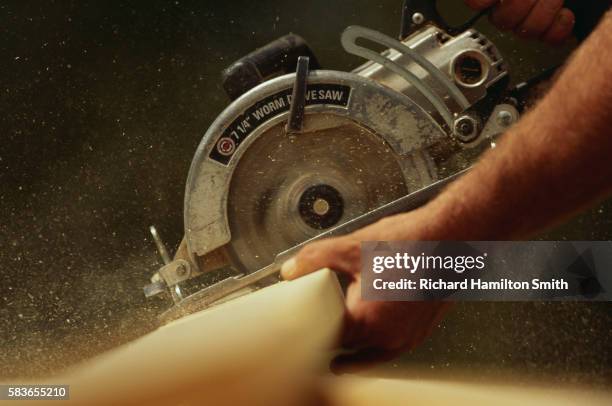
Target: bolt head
x: 181, y: 270
x: 466, y: 128
x: 504, y: 118
x: 418, y: 18
x: 321, y: 207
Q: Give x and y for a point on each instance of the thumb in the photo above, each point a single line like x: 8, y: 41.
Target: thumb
x: 341, y: 254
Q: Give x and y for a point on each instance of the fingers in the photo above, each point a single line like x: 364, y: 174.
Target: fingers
x: 340, y: 254
x: 546, y: 19
x: 561, y: 28
x: 510, y: 13
x: 480, y: 4
x: 540, y: 18
x: 380, y: 331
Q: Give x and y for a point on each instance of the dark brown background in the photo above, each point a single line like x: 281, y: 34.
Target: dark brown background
x: 103, y: 104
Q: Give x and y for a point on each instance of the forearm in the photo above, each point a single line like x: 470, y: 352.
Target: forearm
x: 555, y: 161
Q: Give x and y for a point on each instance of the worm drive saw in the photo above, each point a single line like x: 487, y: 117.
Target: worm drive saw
x: 304, y: 153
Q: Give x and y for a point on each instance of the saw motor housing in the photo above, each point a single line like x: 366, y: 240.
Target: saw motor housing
x: 420, y: 111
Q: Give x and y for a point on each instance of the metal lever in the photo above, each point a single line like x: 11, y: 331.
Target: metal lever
x: 161, y: 248
x: 274, y: 59
x: 349, y: 42
x: 298, y: 96
x: 158, y: 286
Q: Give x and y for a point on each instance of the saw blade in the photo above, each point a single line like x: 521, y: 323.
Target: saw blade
x: 288, y: 189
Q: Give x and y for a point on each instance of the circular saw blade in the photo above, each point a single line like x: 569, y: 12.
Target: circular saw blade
x: 287, y: 189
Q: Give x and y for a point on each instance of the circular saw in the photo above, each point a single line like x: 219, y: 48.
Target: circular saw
x: 304, y: 153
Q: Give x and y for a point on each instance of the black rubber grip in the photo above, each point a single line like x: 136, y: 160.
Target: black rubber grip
x: 277, y: 58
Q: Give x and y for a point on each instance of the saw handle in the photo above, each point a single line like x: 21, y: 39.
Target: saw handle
x: 415, y: 13
x: 274, y: 59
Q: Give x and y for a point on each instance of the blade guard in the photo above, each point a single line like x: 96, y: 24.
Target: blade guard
x: 400, y: 122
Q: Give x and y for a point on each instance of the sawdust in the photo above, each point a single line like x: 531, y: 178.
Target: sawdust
x: 99, y: 128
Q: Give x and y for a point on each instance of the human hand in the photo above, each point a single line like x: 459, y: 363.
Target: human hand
x: 544, y: 19
x: 377, y: 331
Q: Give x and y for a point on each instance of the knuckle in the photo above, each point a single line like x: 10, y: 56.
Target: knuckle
x: 527, y: 31
x: 352, y: 250
x: 307, y: 254
x: 318, y: 253
x: 510, y: 13
x: 551, y: 5
x: 543, y: 15
x: 352, y: 246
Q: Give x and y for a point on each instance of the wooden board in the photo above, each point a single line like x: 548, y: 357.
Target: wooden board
x: 366, y: 391
x: 256, y: 349
x: 270, y: 347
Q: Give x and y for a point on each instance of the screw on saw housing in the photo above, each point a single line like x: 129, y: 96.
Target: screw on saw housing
x: 466, y: 128
x: 321, y: 206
